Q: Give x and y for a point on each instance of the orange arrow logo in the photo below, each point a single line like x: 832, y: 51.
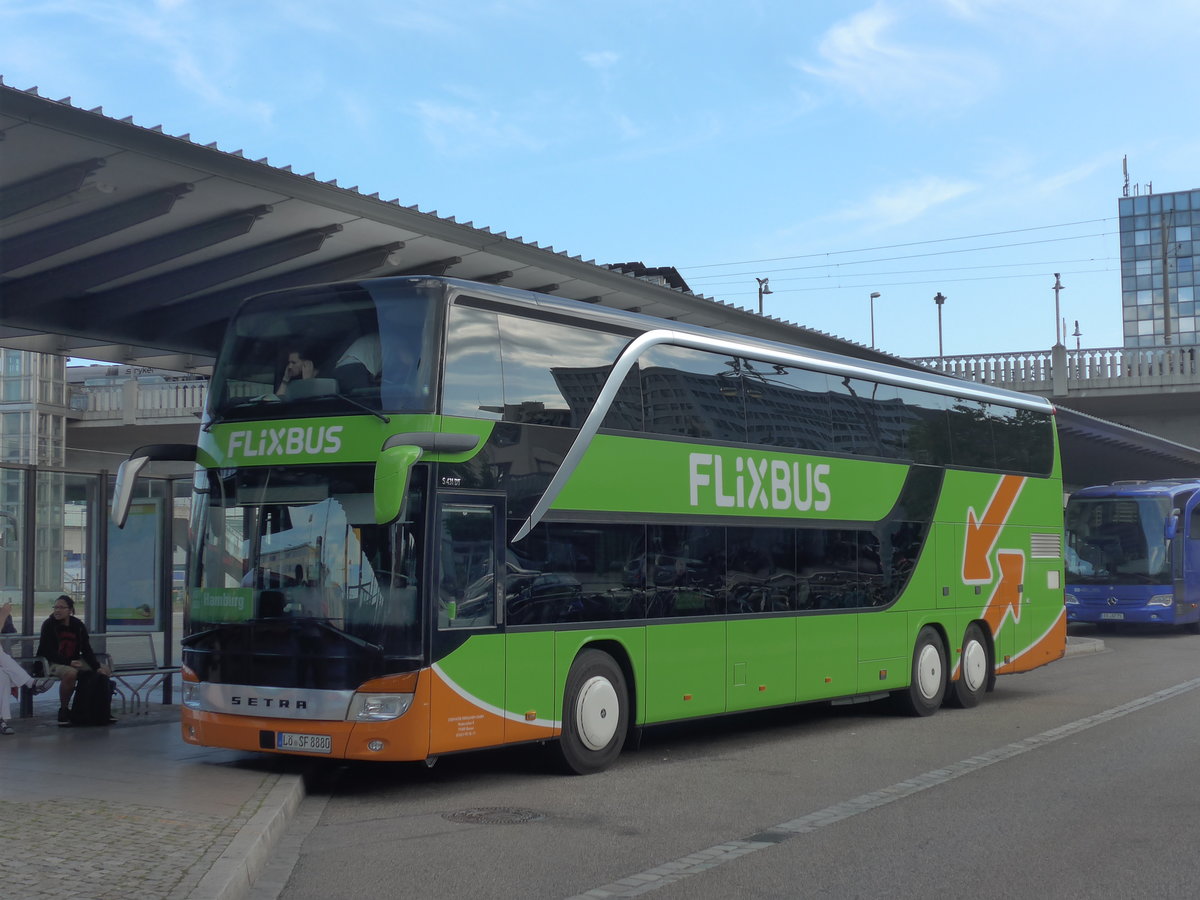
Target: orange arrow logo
x: 982, y: 535
x: 1006, y: 599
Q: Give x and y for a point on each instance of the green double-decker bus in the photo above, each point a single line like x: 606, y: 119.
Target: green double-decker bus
x: 432, y: 515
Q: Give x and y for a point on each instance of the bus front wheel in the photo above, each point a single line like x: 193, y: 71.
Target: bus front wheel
x: 974, y: 667
x: 595, y: 714
x: 927, y: 686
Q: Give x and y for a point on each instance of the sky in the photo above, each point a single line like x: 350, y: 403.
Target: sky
x: 906, y: 147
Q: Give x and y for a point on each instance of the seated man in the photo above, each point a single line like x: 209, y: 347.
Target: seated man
x: 12, y: 676
x: 360, y: 364
x: 298, y: 367
x: 64, y: 642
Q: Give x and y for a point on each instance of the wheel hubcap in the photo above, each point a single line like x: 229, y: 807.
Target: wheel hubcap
x: 974, y: 665
x: 596, y: 712
x: 929, y: 672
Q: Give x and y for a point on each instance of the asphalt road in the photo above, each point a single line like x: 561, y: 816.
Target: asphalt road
x: 1078, y: 780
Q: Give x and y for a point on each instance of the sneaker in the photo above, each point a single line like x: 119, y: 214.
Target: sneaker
x: 41, y: 685
x: 4, y: 728
x: 64, y: 716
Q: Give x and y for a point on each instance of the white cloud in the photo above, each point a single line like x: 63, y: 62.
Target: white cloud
x: 461, y: 130
x: 909, y: 201
x: 603, y: 59
x: 1057, y: 181
x: 627, y: 128
x: 861, y: 55
x: 202, y: 53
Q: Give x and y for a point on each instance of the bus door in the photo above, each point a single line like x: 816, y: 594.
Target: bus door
x: 1185, y: 552
x: 950, y: 591
x: 467, y: 700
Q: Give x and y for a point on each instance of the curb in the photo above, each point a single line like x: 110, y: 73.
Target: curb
x: 1078, y: 645
x: 233, y: 874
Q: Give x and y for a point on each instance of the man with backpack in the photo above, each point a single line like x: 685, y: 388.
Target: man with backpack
x: 64, y: 642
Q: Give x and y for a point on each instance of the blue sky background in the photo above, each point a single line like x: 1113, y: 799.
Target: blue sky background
x: 971, y: 147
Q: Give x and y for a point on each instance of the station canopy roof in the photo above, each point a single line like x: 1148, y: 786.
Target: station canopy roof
x: 122, y: 243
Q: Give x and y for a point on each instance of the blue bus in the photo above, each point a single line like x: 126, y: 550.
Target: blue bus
x: 1133, y: 553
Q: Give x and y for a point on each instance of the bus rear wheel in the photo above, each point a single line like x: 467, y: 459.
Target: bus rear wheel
x: 974, y: 667
x: 927, y: 686
x: 595, y: 714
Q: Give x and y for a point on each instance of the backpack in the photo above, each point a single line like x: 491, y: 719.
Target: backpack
x: 92, y: 703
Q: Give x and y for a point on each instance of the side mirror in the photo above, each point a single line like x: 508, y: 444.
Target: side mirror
x: 391, y: 481
x: 129, y: 470
x: 1171, y: 527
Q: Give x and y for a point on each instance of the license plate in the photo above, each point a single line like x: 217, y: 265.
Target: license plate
x: 305, y: 743
x: 1112, y: 615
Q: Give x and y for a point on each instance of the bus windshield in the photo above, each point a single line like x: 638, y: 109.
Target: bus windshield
x: 1114, y: 540
x: 330, y: 349
x: 278, y: 547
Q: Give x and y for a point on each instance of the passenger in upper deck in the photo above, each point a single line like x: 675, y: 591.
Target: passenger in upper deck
x: 298, y: 367
x: 360, y: 364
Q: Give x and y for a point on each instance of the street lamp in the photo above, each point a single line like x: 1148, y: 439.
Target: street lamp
x: 1059, y: 336
x: 763, y: 288
x: 874, y: 297
x: 939, y: 299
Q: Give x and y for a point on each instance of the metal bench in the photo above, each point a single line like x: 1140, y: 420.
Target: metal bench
x: 130, y: 656
x: 134, y: 665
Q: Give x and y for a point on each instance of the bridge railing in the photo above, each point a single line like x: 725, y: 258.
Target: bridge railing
x: 131, y: 401
x: 1106, y: 367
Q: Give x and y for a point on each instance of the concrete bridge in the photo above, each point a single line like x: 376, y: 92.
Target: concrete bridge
x: 1151, y: 389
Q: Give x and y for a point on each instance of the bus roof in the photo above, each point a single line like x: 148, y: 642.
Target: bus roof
x: 1155, y: 488
x: 916, y: 376
x: 912, y: 376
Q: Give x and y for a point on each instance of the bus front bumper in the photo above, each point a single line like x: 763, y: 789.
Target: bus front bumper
x: 403, y: 739
x: 1177, y: 614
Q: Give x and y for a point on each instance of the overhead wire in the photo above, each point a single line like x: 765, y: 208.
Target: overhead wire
x: 966, y: 237
x: 1059, y: 262
x: 890, y: 284
x: 857, y: 262
x: 840, y: 269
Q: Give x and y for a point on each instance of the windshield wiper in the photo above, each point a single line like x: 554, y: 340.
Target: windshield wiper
x: 376, y: 413
x: 316, y: 398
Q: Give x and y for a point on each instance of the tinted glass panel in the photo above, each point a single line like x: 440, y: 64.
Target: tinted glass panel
x: 790, y: 409
x: 537, y: 387
x: 565, y: 572
x: 466, y: 595
x: 694, y: 394
x: 929, y: 430
x: 971, y: 434
x: 828, y: 569
x: 331, y: 350
x: 625, y: 413
x: 855, y: 424
x: 762, y: 570
x: 685, y: 571
x: 1032, y: 432
x: 472, y: 383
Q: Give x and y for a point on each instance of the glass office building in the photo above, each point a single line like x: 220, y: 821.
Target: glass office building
x: 1157, y: 230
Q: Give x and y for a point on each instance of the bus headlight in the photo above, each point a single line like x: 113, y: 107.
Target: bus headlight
x: 191, y: 695
x: 1071, y: 600
x: 1161, y: 600
x: 378, y: 707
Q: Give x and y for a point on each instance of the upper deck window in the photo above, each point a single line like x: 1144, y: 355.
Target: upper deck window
x: 330, y: 349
